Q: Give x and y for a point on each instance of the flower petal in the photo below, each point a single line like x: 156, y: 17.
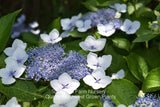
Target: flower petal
x: 54, y: 34
x: 105, y: 61
x: 92, y: 60
x: 19, y: 43
x: 89, y: 80
x: 45, y: 37
x: 8, y: 80
x: 118, y: 75
x: 106, y: 104
x: 61, y: 97
x: 73, y: 101
x: 20, y: 70
x: 65, y: 78
x: 79, y: 23
x: 13, y: 103
x: 56, y: 85
x: 98, y: 73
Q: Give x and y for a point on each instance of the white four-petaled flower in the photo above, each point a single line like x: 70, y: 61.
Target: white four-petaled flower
x: 97, y: 79
x: 120, y: 74
x: 66, y: 83
x: 16, y: 44
x: 11, y: 103
x: 119, y: 7
x: 52, y: 38
x: 91, y: 44
x: 19, y: 56
x: 69, y: 24
x: 63, y: 99
x: 106, y: 30
x: 12, y: 70
x: 130, y: 27
x: 83, y: 26
x: 95, y: 62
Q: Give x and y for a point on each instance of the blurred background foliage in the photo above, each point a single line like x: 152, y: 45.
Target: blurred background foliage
x: 44, y: 11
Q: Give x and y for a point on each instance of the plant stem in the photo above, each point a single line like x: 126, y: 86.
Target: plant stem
x: 147, y: 44
x: 134, y: 4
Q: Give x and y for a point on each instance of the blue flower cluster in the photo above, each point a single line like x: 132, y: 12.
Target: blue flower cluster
x: 148, y: 101
x: 50, y: 62
x: 103, y: 16
x: 75, y: 65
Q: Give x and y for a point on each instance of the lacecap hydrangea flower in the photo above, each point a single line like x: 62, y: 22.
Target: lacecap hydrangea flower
x: 102, y: 16
x: 49, y: 62
x: 149, y: 100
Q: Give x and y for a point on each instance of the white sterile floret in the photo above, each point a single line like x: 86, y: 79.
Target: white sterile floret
x: 83, y: 26
x: 66, y: 83
x: 53, y: 37
x: 16, y: 44
x: 97, y: 79
x: 12, y: 103
x: 106, y: 30
x: 120, y: 74
x: 68, y: 24
x: 36, y: 32
x: 92, y: 44
x: 130, y: 27
x: 34, y: 24
x: 63, y: 99
x: 95, y: 62
x: 119, y: 7
x: 12, y: 70
x: 19, y: 55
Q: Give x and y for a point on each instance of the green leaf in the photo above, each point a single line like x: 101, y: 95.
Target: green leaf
x: 122, y: 91
x: 46, y: 102
x: 6, y: 23
x: 122, y: 43
x: 131, y: 9
x: 88, y: 96
x: 77, y: 34
x: 30, y: 38
x: 107, y: 2
x: 74, y: 45
x: 152, y: 81
x: 144, y: 35
x: 2, y: 58
x: 55, y: 24
x: 118, y: 61
x: 91, y: 5
x: 137, y: 66
x: 152, y: 59
x: 23, y: 90
x: 145, y: 12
